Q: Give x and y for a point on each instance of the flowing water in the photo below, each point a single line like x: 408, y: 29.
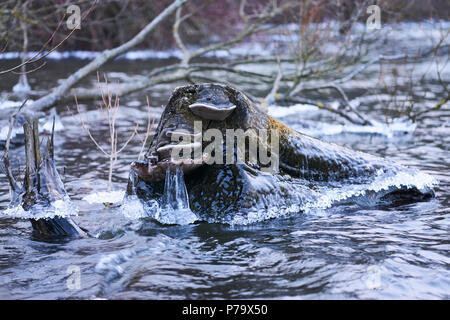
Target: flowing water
x: 347, y: 250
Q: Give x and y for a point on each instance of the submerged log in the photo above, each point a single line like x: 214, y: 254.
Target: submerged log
x: 279, y: 170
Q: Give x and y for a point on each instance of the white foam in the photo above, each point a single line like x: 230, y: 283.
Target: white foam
x: 105, y: 197
x: 176, y: 216
x: 22, y: 88
x: 281, y: 112
x: 397, y: 126
x: 109, y: 265
x: 134, y: 103
x: 45, y: 126
x: 325, y: 197
x: 133, y: 208
x: 48, y: 125
x: 6, y: 104
x: 4, y: 132
x: 61, y: 207
x: 382, y: 182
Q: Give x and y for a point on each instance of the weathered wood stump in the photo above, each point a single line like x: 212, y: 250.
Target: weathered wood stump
x: 42, y: 185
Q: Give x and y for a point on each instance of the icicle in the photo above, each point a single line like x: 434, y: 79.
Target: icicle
x: 175, y: 192
x: 175, y: 201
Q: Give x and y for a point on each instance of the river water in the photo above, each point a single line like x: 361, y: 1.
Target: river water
x: 351, y: 250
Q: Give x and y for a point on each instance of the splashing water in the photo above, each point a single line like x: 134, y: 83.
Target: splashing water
x: 175, y: 201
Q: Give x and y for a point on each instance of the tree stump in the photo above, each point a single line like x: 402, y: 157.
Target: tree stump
x: 42, y: 185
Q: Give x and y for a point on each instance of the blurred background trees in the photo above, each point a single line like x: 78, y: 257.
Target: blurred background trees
x: 324, y: 45
x: 114, y: 21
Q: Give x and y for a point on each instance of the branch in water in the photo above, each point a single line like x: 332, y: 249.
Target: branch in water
x: 6, y: 163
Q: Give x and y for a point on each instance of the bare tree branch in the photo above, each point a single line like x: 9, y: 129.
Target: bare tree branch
x: 107, y: 55
x: 7, y: 167
x: 40, y: 55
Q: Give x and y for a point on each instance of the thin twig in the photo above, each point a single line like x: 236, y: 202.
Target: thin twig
x: 8, y: 172
x: 37, y: 57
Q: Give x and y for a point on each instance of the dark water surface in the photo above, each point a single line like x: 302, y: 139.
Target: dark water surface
x: 346, y: 251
